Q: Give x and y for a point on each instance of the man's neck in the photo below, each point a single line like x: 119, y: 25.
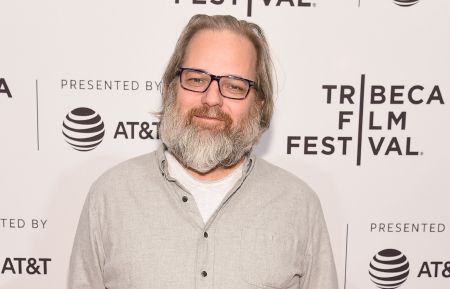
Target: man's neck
x: 216, y: 173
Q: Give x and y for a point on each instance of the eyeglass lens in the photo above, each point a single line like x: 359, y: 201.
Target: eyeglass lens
x: 199, y: 82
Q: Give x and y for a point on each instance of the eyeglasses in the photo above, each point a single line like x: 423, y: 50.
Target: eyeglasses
x: 229, y: 86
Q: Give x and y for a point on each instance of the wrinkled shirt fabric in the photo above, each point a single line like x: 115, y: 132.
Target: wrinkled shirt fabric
x: 140, y: 229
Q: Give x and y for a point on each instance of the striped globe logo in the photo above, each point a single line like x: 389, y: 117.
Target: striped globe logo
x: 389, y: 269
x: 406, y: 3
x: 83, y: 129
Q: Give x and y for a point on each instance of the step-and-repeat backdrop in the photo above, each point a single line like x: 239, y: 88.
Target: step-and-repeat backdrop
x: 361, y: 114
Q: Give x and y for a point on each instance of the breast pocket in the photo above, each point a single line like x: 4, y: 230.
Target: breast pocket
x: 269, y: 260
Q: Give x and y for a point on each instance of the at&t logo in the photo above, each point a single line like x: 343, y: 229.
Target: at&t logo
x: 23, y: 265
x: 389, y: 269
x: 83, y: 129
x: 406, y: 3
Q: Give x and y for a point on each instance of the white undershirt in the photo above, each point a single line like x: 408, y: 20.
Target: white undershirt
x: 207, y: 194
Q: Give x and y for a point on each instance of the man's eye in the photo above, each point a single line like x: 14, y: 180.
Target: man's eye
x: 196, y: 81
x: 235, y: 88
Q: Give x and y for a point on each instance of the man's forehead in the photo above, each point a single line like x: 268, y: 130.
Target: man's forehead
x: 221, y: 52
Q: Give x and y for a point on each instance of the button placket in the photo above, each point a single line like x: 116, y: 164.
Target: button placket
x: 205, y: 258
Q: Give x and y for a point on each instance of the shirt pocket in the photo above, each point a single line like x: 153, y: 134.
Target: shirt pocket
x: 268, y: 259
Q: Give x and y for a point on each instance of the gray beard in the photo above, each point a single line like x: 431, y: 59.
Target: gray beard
x: 203, y: 149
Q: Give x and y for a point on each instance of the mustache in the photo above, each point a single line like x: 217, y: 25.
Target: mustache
x: 210, y: 112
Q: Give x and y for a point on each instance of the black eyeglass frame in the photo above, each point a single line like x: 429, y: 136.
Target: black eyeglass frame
x: 213, y: 77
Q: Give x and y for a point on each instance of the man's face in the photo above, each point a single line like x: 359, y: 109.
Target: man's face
x: 219, y: 53
x: 206, y: 130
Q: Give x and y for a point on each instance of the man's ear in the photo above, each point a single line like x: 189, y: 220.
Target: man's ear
x: 260, y: 102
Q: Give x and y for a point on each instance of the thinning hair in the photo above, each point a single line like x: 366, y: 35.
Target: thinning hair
x: 264, y: 65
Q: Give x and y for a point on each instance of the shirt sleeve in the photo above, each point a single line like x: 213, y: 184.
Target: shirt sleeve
x: 320, y: 270
x: 87, y: 259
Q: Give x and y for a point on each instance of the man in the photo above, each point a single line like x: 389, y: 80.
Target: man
x: 202, y: 211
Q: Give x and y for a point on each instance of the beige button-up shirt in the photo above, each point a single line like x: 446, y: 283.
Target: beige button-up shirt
x: 140, y: 229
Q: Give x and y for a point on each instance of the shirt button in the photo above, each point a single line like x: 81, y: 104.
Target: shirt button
x: 204, y: 274
x: 205, y: 234
x: 185, y: 199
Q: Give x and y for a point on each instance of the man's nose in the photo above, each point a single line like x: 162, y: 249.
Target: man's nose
x: 212, y: 95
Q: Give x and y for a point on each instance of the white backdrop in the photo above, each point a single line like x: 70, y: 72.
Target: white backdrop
x: 44, y: 181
